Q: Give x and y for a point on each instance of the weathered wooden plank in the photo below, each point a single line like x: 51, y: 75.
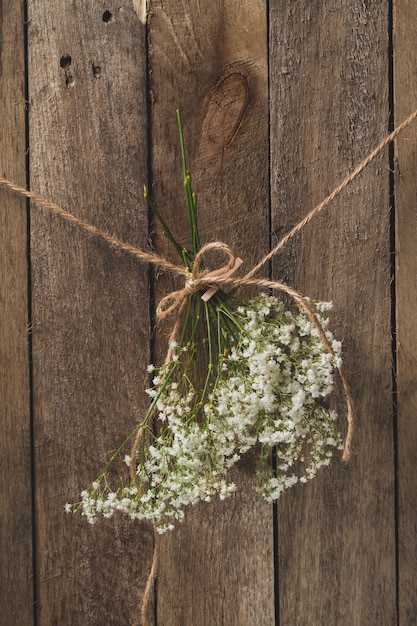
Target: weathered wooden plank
x: 216, y: 567
x: 329, y: 106
x: 16, y: 598
x: 88, y: 153
x: 405, y: 58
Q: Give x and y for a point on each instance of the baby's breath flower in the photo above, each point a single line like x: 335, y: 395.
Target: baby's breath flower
x: 266, y: 385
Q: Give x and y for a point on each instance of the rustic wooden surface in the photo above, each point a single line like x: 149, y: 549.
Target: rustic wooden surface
x: 217, y: 568
x: 88, y: 152
x: 329, y: 107
x: 16, y: 580
x: 103, y: 90
x: 405, y: 85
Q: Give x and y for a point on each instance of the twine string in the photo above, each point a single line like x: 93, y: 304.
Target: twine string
x: 181, y: 299
x: 323, y: 204
x: 147, y: 257
x: 151, y: 578
x: 176, y: 301
x: 163, y: 263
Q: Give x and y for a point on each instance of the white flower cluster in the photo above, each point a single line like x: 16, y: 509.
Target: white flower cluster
x: 266, y: 389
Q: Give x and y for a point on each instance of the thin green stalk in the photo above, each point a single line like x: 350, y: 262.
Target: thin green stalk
x: 228, y: 315
x: 191, y: 203
x: 167, y: 232
x: 210, y: 365
x: 193, y: 304
x: 190, y: 197
x: 182, y: 146
x: 142, y: 424
x: 118, y: 451
x: 193, y: 206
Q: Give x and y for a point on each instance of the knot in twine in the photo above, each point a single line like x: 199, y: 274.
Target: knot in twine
x: 200, y: 278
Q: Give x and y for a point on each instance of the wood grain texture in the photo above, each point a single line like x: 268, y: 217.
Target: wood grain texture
x: 16, y: 597
x: 217, y: 567
x: 88, y: 153
x: 329, y: 107
x: 405, y: 84
x: 88, y: 133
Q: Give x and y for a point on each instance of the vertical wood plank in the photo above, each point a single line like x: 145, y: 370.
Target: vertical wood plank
x: 329, y: 107
x: 217, y: 566
x: 405, y: 84
x: 88, y: 153
x: 16, y: 582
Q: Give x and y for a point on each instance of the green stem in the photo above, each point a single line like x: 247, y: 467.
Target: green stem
x: 210, y: 364
x: 183, y: 159
x: 191, y: 204
x: 167, y: 232
x: 190, y: 197
x: 142, y: 424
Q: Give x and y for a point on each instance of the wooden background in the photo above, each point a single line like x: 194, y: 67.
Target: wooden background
x: 280, y: 100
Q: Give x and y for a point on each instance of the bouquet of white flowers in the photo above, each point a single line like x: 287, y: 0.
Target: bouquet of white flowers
x: 239, y: 374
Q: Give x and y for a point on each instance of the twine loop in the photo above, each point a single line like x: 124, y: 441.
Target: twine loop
x: 200, y: 278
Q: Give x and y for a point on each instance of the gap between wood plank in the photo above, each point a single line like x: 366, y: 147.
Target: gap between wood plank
x: 393, y: 293
x: 29, y: 317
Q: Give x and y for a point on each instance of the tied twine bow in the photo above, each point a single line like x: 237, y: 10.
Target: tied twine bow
x: 196, y: 280
x: 200, y: 279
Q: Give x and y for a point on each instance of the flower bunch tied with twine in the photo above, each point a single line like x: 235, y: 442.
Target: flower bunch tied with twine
x: 239, y: 375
